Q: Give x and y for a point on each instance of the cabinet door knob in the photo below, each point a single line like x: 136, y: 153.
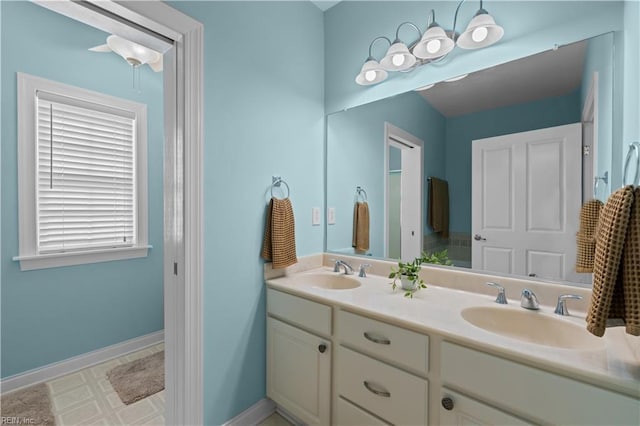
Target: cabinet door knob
x: 322, y: 348
x: 447, y: 403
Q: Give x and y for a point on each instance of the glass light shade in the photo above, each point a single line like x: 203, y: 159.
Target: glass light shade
x: 434, y: 37
x: 371, y: 73
x: 472, y: 37
x: 398, y: 58
x: 132, y: 52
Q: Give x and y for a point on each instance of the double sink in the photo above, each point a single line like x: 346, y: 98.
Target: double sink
x: 512, y: 322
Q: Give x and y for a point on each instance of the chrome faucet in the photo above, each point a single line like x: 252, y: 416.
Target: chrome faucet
x: 528, y: 300
x: 362, y: 273
x: 561, y: 306
x: 501, y: 298
x: 348, y: 269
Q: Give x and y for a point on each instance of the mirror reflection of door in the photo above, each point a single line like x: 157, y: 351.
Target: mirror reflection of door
x: 403, y: 194
x: 523, y: 214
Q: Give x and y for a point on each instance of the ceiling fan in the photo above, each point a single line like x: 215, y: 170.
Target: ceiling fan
x: 135, y: 54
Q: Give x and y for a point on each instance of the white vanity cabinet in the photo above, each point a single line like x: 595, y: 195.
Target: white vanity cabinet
x: 298, y: 357
x: 331, y: 364
x: 372, y: 359
x: 458, y: 410
x: 524, y: 392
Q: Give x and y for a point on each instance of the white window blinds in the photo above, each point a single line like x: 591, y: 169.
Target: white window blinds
x: 86, y: 175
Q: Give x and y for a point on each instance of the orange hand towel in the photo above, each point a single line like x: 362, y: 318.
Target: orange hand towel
x: 279, y: 243
x: 360, y: 240
x: 586, y: 238
x: 607, y: 296
x: 631, y: 273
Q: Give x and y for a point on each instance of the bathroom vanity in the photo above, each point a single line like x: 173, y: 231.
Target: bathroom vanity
x: 351, y: 351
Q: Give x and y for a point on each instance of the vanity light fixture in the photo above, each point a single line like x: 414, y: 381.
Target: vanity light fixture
x: 432, y: 46
x: 428, y: 86
x: 460, y: 77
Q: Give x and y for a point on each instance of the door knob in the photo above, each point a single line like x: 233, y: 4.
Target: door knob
x: 322, y: 348
x: 479, y: 237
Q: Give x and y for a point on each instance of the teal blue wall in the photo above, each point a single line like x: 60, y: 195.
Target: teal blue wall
x: 52, y: 314
x: 631, y: 77
x: 599, y: 57
x: 264, y: 116
x: 530, y: 27
x: 462, y: 130
x: 355, y: 157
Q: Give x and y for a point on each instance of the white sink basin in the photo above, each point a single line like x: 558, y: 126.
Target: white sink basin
x: 330, y: 282
x: 532, y: 327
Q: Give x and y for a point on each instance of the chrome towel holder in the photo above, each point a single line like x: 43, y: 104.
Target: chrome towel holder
x: 276, y: 181
x: 604, y: 178
x: 634, y: 147
x: 361, y: 193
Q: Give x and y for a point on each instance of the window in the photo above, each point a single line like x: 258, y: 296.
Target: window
x: 82, y: 175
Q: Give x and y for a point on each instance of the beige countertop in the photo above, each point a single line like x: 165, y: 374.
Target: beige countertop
x: 614, y: 365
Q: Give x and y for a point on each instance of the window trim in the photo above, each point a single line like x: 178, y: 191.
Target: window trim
x: 29, y: 257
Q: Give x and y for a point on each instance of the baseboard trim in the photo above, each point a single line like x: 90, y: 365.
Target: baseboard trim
x: 255, y: 414
x: 70, y: 365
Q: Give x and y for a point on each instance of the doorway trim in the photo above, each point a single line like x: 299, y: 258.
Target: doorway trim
x: 401, y: 137
x: 590, y: 139
x: 183, y: 36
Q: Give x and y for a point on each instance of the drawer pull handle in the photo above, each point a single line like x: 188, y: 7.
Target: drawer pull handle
x: 322, y: 348
x: 447, y: 403
x: 380, y: 341
x: 377, y: 392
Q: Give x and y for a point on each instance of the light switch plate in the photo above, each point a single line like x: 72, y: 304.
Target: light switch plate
x: 315, y: 216
x: 331, y: 215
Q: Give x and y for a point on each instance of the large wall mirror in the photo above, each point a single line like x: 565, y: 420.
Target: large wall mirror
x: 492, y: 166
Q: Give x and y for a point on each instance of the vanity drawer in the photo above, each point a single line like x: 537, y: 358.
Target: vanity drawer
x: 389, y: 393
x: 385, y: 341
x: 536, y: 394
x: 350, y: 415
x: 310, y: 315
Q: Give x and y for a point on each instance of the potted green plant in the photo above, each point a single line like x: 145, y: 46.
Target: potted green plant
x: 407, y: 273
x: 437, y: 258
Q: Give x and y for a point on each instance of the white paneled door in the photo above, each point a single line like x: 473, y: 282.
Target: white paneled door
x: 526, y: 197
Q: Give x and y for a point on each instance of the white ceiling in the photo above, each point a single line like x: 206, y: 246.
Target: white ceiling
x: 547, y: 74
x: 325, y: 4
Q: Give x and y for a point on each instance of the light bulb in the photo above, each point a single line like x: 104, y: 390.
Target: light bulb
x: 370, y: 75
x: 479, y: 34
x: 397, y: 60
x: 433, y: 46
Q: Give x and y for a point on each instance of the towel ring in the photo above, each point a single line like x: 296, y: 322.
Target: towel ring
x: 360, y: 192
x: 633, y: 147
x: 275, y: 183
x: 596, y: 180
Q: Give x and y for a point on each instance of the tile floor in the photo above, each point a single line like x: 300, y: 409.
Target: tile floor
x: 87, y: 398
x: 275, y: 420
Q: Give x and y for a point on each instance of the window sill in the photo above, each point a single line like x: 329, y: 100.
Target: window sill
x: 54, y: 260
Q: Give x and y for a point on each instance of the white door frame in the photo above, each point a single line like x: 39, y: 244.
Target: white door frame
x: 409, y: 140
x: 183, y: 194
x: 590, y: 137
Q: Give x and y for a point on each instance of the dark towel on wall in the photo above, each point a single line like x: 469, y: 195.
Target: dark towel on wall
x: 438, y: 210
x: 360, y: 240
x: 279, y: 243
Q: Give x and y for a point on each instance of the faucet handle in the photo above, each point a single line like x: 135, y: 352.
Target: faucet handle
x: 362, y: 273
x: 561, y: 306
x: 528, y: 300
x: 336, y: 265
x: 501, y: 298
